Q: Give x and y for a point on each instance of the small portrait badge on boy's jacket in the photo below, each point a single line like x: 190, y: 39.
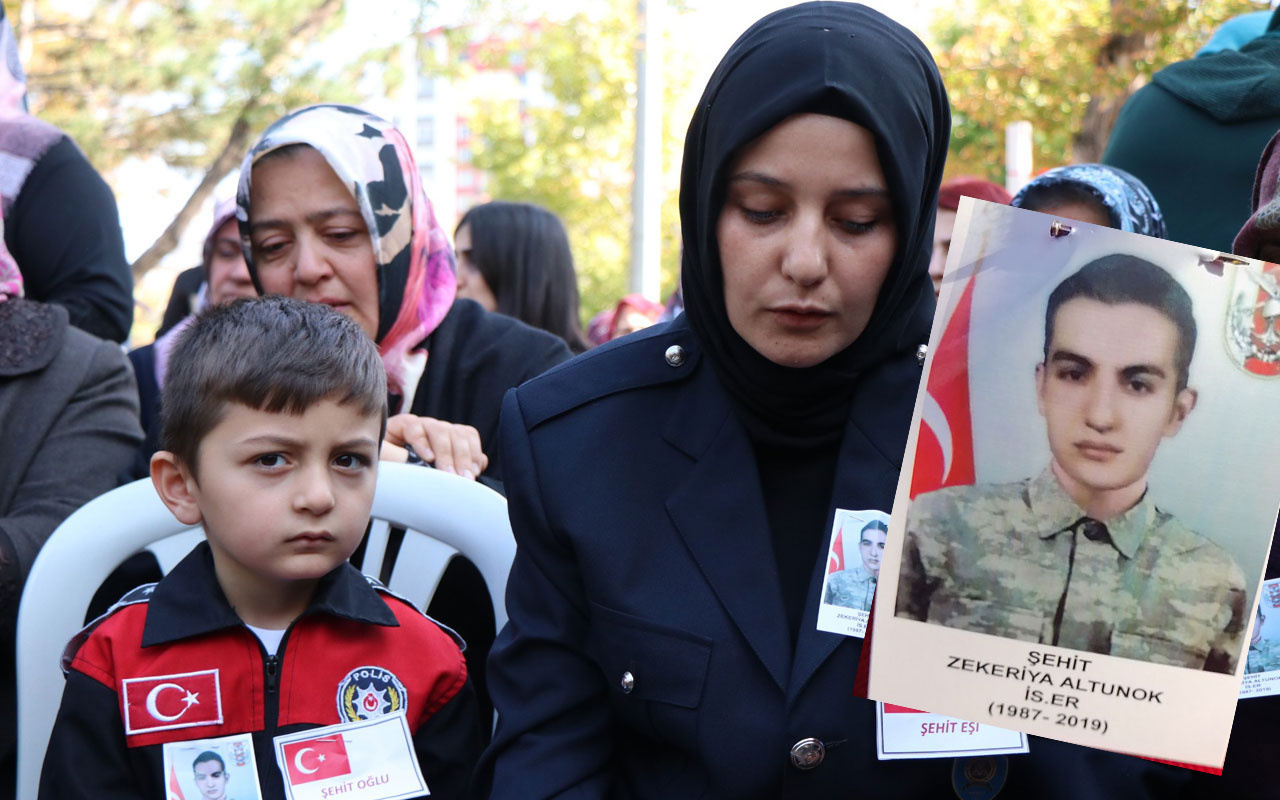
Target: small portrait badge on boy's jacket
x: 212, y: 769
x: 369, y: 759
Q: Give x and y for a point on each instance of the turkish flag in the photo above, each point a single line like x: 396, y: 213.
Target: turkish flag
x: 944, y: 448
x: 175, y: 791
x: 835, y: 560
x: 161, y: 702
x: 316, y: 759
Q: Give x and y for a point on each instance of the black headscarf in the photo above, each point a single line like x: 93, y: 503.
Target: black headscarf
x: 846, y: 61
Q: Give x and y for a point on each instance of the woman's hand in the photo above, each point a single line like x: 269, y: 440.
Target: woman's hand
x: 452, y: 448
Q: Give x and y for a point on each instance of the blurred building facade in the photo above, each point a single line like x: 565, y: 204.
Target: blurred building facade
x: 450, y: 70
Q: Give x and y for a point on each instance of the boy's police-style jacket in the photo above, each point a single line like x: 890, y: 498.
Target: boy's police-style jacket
x: 357, y: 651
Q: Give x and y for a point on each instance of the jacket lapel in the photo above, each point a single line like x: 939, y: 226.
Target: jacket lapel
x: 718, y: 512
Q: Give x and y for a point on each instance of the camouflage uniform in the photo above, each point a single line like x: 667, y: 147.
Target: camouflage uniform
x: 1017, y: 560
x: 851, y: 588
x: 1263, y: 657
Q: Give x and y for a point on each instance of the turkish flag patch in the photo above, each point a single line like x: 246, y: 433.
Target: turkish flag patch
x: 316, y: 759
x: 171, y: 701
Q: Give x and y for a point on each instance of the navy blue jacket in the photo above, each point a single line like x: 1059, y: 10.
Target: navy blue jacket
x: 648, y: 654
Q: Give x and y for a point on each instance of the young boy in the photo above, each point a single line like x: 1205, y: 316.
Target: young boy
x: 274, y: 411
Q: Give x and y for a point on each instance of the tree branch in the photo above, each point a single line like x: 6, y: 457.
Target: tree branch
x: 237, y: 141
x: 234, y: 150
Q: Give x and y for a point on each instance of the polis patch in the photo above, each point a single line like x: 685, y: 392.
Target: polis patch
x: 370, y: 692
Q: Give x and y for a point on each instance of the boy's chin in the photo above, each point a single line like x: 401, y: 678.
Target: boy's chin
x: 300, y: 568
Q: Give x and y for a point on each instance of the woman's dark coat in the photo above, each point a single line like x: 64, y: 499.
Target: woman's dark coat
x: 673, y: 582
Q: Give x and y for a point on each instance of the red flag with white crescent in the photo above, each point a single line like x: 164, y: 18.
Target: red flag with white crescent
x: 316, y: 759
x: 835, y: 559
x: 944, y: 448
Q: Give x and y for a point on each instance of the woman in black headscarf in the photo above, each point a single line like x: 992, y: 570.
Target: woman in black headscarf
x: 662, y: 638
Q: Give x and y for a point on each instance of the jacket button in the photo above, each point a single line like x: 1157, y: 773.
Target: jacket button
x: 675, y: 355
x: 627, y: 683
x: 808, y: 753
x: 921, y: 352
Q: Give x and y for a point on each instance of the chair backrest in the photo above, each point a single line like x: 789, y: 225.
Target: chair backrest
x: 442, y: 514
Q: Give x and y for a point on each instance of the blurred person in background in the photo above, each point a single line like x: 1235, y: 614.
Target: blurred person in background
x: 183, y: 298
x: 633, y: 313
x: 514, y: 258
x: 60, y: 217
x: 598, y: 327
x: 225, y: 277
x: 68, y: 428
x: 1094, y: 193
x: 948, y: 201
x: 1193, y: 135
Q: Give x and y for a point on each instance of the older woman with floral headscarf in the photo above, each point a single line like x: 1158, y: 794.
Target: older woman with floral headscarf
x: 332, y: 210
x: 1095, y: 193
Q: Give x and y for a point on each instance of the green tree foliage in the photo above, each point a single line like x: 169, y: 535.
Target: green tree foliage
x: 187, y: 81
x: 573, y: 155
x: 1067, y: 67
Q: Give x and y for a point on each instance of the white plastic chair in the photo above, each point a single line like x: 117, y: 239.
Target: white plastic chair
x: 442, y: 513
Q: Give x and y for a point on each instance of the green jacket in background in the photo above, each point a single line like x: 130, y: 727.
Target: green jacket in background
x: 1194, y: 136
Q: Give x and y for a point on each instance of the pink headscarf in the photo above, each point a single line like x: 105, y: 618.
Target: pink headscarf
x: 417, y: 277
x: 949, y: 193
x: 634, y: 302
x: 13, y: 103
x: 10, y: 275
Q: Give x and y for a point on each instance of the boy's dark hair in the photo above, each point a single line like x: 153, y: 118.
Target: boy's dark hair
x: 268, y: 353
x: 1121, y: 278
x: 209, y: 755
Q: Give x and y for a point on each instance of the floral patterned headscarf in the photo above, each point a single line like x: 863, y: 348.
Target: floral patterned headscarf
x: 417, y: 277
x: 1129, y: 203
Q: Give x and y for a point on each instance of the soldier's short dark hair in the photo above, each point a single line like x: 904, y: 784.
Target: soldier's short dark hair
x: 270, y: 353
x: 876, y: 525
x: 209, y: 755
x: 1121, y: 278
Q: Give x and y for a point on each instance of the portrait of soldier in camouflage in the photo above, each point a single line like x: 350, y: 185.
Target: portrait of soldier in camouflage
x: 1082, y: 555
x: 853, y: 587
